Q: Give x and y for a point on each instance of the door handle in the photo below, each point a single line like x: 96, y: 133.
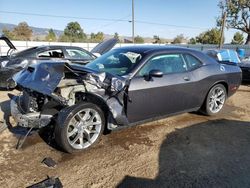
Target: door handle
x: 186, y: 78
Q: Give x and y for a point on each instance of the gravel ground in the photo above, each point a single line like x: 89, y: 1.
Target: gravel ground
x: 187, y: 150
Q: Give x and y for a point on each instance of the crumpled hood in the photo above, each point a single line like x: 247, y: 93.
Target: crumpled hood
x: 44, y: 77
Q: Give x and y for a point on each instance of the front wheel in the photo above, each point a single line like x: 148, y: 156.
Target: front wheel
x: 215, y: 100
x: 79, y: 127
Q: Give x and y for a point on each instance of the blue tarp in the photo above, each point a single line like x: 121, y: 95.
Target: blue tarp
x: 228, y: 55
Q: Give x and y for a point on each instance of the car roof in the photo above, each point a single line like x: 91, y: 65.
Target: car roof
x: 55, y: 46
x: 156, y: 48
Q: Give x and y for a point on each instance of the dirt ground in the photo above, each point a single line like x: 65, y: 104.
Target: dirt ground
x: 187, y: 150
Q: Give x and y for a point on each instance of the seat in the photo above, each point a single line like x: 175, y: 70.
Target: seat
x: 56, y: 54
x: 124, y: 61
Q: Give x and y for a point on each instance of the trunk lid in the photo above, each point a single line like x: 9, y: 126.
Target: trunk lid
x: 8, y: 42
x: 104, y: 46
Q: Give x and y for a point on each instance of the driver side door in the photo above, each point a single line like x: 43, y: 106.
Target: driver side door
x: 157, y: 96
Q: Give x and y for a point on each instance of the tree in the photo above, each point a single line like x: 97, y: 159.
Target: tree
x: 73, y: 33
x: 64, y: 38
x: 98, y: 37
x: 8, y: 33
x: 192, y: 41
x: 22, y: 32
x: 139, y: 39
x: 211, y: 36
x: 116, y: 36
x: 238, y: 15
x: 238, y: 38
x: 157, y: 39
x: 51, y: 36
x: 179, y: 39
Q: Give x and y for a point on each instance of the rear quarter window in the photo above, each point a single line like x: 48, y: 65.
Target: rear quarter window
x: 192, y: 61
x: 55, y: 53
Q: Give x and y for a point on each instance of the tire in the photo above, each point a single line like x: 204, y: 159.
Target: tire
x: 78, y: 127
x: 215, y: 100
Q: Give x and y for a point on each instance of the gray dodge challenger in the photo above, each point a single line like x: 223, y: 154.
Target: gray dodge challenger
x: 125, y: 86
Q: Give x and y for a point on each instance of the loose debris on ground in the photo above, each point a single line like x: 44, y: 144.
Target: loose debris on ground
x: 188, y: 150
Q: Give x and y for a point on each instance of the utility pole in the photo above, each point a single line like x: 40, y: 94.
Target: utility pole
x: 133, y: 22
x: 224, y: 17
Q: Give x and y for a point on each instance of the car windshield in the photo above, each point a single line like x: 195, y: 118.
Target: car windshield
x: 118, y: 62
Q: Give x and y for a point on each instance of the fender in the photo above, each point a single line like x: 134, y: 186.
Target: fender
x: 110, y: 105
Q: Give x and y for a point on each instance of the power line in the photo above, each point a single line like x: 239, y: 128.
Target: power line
x: 65, y: 17
x: 170, y: 25
x: 106, y: 25
x: 102, y: 19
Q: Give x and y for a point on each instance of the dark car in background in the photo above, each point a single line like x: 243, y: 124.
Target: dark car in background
x: 125, y: 86
x: 15, y: 61
x: 231, y: 56
x: 245, y: 68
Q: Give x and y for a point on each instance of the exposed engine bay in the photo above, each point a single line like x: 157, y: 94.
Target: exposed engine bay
x: 47, y: 88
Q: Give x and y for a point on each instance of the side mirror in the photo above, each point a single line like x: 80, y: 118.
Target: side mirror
x: 155, y: 73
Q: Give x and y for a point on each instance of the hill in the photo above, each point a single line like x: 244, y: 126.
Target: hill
x: 40, y: 33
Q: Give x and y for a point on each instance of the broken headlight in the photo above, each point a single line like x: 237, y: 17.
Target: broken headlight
x: 117, y: 84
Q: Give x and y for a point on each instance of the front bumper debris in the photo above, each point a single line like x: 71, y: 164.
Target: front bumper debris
x: 28, y: 120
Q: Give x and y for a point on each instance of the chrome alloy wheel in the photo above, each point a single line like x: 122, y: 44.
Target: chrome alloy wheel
x: 217, y: 99
x: 84, y: 128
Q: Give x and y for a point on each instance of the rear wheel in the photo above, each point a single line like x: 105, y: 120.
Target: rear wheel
x: 79, y: 127
x: 215, y: 100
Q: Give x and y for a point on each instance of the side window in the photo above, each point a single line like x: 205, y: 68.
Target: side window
x: 167, y: 63
x: 57, y: 53
x: 192, y: 61
x: 78, y: 54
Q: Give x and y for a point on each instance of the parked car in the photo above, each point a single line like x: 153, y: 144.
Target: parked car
x: 231, y: 56
x: 15, y: 61
x: 223, y: 55
x: 245, y: 68
x: 125, y: 86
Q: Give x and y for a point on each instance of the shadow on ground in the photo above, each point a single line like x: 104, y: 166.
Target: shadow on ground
x: 210, y: 154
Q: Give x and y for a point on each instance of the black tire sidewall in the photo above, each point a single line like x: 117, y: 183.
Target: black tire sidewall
x: 207, y: 110
x: 62, y: 124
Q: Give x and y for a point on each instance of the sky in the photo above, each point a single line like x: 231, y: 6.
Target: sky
x: 165, y: 18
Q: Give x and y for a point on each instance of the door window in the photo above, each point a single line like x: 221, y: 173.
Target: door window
x: 56, y: 53
x: 167, y: 63
x: 78, y: 54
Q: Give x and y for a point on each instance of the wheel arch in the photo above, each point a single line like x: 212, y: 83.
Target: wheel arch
x: 95, y: 99
x: 223, y: 82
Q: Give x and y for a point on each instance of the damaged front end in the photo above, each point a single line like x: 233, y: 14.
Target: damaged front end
x: 49, y: 87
